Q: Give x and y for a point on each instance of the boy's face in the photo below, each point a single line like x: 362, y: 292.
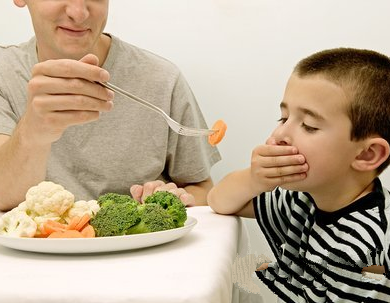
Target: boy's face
x: 67, y: 28
x: 314, y: 119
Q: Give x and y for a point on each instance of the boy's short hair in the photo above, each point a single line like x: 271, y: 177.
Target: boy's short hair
x: 365, y: 77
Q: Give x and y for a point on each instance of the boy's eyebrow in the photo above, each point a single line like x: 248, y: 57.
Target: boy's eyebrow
x: 306, y: 111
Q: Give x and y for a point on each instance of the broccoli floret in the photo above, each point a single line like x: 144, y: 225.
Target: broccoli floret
x: 110, y: 198
x: 115, y: 219
x: 172, y: 204
x: 153, y: 218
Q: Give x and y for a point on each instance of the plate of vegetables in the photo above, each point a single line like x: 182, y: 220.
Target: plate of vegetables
x: 113, y: 222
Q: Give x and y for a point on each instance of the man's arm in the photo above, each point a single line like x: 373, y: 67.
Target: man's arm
x: 22, y: 165
x: 61, y: 93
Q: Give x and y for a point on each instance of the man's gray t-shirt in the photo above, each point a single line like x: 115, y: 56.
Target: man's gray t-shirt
x: 129, y: 145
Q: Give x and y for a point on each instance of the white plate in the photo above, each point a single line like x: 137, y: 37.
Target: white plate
x: 99, y: 244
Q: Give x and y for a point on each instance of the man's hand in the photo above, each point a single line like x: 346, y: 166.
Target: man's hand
x: 273, y: 165
x: 140, y: 192
x: 62, y: 93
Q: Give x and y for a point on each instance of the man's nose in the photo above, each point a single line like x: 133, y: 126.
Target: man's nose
x: 77, y: 10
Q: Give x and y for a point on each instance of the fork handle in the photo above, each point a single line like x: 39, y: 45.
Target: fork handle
x: 131, y: 96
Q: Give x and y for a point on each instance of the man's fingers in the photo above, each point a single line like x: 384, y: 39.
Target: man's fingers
x: 184, y: 196
x: 60, y: 86
x: 90, y: 59
x: 68, y: 68
x: 136, y: 192
x: 140, y: 193
x: 166, y: 187
x: 49, y: 103
x: 149, y: 188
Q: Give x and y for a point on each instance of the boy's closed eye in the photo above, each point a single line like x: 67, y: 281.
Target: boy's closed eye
x: 309, y: 129
x: 305, y: 126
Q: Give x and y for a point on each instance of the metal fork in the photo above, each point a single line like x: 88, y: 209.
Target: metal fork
x: 175, y: 126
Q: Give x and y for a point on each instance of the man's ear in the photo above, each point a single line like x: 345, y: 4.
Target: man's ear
x: 20, y: 3
x: 375, y: 151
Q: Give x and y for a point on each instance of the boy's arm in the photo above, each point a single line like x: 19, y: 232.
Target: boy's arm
x: 234, y: 194
x: 271, y: 165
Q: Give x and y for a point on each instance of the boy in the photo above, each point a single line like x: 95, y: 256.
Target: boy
x: 314, y: 187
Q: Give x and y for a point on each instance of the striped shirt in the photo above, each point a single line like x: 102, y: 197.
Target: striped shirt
x: 320, y: 255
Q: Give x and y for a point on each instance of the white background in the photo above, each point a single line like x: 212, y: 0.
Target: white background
x: 236, y: 54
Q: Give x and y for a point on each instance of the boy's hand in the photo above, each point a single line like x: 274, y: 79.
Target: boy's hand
x: 273, y: 165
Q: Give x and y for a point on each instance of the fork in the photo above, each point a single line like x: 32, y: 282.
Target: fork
x: 174, y: 125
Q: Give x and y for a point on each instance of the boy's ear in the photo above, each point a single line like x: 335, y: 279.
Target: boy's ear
x: 375, y: 152
x: 20, y: 3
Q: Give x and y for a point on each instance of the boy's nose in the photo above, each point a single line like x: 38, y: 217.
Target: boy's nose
x: 281, y: 136
x: 77, y: 10
x: 282, y: 142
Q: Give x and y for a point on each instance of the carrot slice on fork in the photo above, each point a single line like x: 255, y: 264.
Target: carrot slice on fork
x: 220, y: 130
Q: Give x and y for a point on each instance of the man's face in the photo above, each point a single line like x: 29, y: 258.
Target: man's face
x: 67, y: 28
x: 314, y: 119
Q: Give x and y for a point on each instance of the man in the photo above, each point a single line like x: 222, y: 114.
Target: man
x: 68, y: 129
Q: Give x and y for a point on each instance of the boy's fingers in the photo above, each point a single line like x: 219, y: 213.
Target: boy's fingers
x: 280, y: 171
x: 274, y: 150
x: 263, y: 266
x: 281, y: 161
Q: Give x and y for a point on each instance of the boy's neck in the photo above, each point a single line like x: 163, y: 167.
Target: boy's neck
x: 341, y: 197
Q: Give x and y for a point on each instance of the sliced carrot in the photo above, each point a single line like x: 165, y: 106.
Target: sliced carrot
x: 73, y: 222
x: 78, y: 223
x: 88, y: 231
x: 66, y: 234
x: 51, y: 226
x: 83, y: 221
x: 220, y: 130
x: 40, y: 235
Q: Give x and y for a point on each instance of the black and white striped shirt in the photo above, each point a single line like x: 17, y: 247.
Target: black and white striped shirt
x: 320, y: 255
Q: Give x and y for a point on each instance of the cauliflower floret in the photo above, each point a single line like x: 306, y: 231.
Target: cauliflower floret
x: 39, y: 220
x: 22, y: 206
x: 82, y: 207
x: 17, y: 223
x: 48, y: 198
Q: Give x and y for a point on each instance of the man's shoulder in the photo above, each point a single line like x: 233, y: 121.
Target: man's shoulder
x: 122, y: 50
x: 14, y: 54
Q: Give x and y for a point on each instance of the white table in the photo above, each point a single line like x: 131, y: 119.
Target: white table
x: 194, y: 269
